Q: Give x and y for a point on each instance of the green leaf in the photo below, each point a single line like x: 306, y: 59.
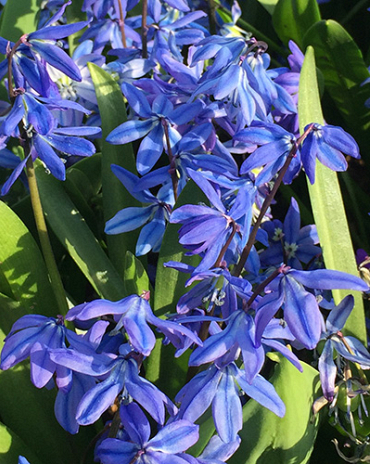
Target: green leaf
x: 71, y: 229
x: 11, y: 447
x: 292, y: 19
x: 18, y: 18
x: 79, y: 190
x: 22, y: 266
x: 115, y: 197
x: 269, y: 5
x: 344, y: 70
x: 136, y: 278
x: 91, y: 168
x: 267, y: 438
x: 26, y: 410
x: 327, y: 204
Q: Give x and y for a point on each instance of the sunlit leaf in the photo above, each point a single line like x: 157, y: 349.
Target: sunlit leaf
x: 327, y: 204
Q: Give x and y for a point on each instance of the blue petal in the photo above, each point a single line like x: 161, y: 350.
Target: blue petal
x: 98, y: 399
x: 71, y: 145
x: 14, y: 176
x: 66, y: 402
x: 302, y: 313
x: 208, y: 189
x: 292, y: 223
x: 264, y: 393
x: 145, y: 393
x: 151, y: 234
x: 129, y: 131
x: 328, y: 370
x: 135, y: 423
x: 128, y: 219
x: 49, y: 157
x: 57, y: 32
x: 339, y: 314
x: 114, y: 451
x: 325, y: 279
x: 137, y: 100
x: 150, y: 150
x: 175, y: 437
x: 57, y: 58
x: 227, y: 409
x: 197, y: 395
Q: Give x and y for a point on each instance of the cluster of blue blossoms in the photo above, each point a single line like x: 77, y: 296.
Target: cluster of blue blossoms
x: 201, y: 108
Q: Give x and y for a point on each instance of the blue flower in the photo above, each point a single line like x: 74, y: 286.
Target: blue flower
x: 33, y: 335
x: 151, y: 127
x: 275, y: 144
x: 163, y: 448
x: 346, y: 347
x: 218, y: 385
x: 289, y: 242
x: 327, y: 144
x: 120, y: 374
x: 207, y: 229
x: 301, y: 310
x: 133, y: 313
x: 154, y: 217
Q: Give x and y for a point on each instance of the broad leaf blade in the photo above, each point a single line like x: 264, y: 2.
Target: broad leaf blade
x: 22, y: 265
x: 71, y: 229
x: 11, y: 447
x: 136, y: 277
x: 267, y: 438
x: 115, y: 197
x: 326, y: 200
x: 19, y: 18
x: 293, y: 18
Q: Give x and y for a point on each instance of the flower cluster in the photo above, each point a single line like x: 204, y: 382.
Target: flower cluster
x: 205, y: 112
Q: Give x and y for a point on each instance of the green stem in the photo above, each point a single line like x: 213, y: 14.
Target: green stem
x: 212, y: 17
x: 47, y: 251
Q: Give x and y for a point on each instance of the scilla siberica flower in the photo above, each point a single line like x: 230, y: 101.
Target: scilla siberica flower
x: 133, y: 313
x: 346, y: 347
x: 301, y: 310
x: 33, y: 335
x: 164, y: 448
x: 153, y: 217
x: 327, y: 144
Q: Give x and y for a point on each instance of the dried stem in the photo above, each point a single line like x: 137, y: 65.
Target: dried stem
x: 122, y: 24
x: 144, y: 29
